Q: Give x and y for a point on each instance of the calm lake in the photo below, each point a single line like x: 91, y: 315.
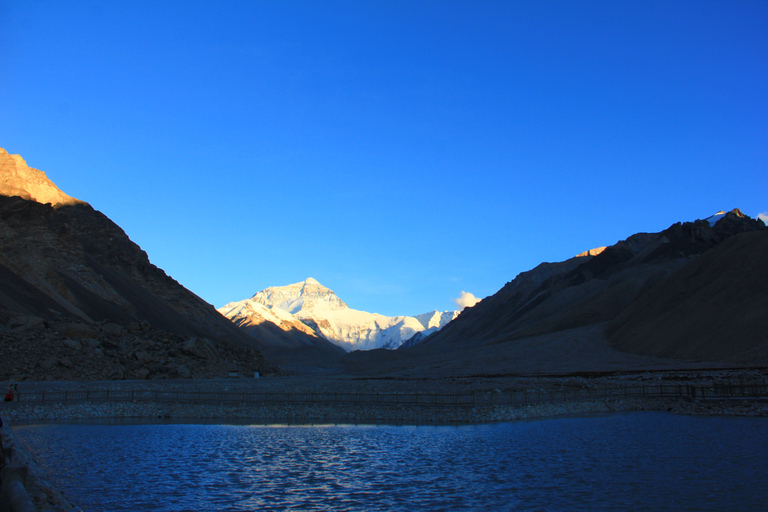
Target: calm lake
x: 621, y: 462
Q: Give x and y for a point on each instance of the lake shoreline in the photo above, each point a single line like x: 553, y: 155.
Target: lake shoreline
x: 47, y: 498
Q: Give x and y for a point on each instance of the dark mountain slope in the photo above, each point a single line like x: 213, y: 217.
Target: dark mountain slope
x: 67, y: 271
x: 714, y: 308
x: 294, y: 350
x: 89, y: 269
x: 587, y: 290
x: 552, y: 319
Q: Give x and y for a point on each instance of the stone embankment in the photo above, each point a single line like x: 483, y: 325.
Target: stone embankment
x: 42, y: 495
x: 47, y: 498
x: 367, y: 412
x: 307, y: 412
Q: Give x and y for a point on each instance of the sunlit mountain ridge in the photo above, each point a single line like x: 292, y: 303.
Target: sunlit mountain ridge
x: 312, y: 307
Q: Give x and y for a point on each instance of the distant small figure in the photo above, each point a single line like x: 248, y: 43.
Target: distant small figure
x: 13, y: 390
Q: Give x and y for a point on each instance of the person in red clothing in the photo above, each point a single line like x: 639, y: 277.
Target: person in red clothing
x: 12, y: 392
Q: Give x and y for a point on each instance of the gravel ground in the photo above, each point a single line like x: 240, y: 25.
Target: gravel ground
x: 479, y: 384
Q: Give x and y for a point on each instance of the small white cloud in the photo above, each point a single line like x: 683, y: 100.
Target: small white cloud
x: 466, y: 299
x: 763, y: 217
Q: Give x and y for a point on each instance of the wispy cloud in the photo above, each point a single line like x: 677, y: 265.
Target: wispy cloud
x: 464, y: 300
x: 763, y: 217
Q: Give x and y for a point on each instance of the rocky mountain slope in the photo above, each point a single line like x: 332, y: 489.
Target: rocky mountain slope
x: 69, y: 274
x: 637, y: 304
x: 286, y: 341
x: 312, y: 308
x: 714, y: 308
x: 20, y: 180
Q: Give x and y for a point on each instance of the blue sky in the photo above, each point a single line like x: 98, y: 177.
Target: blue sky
x: 398, y: 152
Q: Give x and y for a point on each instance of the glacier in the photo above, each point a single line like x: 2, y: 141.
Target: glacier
x: 313, y: 308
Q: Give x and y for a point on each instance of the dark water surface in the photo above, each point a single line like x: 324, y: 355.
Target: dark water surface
x: 621, y: 462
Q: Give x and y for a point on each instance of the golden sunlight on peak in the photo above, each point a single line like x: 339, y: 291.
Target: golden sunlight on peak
x: 18, y: 179
x: 591, y: 252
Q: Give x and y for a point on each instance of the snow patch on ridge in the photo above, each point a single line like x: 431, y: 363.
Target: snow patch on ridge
x: 716, y: 217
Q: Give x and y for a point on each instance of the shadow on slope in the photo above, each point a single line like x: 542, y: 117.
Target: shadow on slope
x: 716, y: 307
x: 551, y: 319
x: 71, y: 262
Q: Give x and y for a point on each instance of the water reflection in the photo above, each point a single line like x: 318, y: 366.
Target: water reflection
x: 644, y: 461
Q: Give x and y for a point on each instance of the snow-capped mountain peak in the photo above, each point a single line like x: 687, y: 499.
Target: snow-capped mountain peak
x: 306, y: 295
x: 716, y: 217
x: 436, y: 318
x: 320, y: 310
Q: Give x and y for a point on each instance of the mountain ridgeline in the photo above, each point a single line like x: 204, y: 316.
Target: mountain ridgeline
x: 79, y: 299
x: 312, y: 308
x: 694, y: 294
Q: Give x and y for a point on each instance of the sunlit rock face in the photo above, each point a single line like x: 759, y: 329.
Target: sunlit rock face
x: 591, y: 252
x: 18, y: 179
x: 293, y: 298
x: 310, y: 306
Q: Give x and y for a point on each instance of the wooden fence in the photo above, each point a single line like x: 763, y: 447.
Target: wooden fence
x: 714, y: 392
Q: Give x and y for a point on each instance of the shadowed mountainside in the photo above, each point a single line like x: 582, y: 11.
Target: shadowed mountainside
x: 554, y: 317
x: 293, y: 349
x: 714, y: 308
x: 68, y: 264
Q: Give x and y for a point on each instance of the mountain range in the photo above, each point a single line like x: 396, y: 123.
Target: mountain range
x: 79, y: 301
x: 695, y: 294
x: 314, y: 309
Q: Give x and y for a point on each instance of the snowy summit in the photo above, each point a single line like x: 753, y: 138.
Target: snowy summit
x: 311, y: 307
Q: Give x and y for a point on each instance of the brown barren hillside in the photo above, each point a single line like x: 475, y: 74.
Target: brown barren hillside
x: 714, y: 308
x: 552, y: 319
x: 66, y: 271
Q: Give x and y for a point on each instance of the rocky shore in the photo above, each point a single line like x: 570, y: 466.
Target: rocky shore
x: 366, y: 413
x: 47, y: 498
x: 288, y: 411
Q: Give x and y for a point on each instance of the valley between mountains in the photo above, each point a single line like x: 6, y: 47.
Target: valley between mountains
x: 80, y: 301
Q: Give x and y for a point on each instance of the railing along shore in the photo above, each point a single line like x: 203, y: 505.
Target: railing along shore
x: 477, y: 399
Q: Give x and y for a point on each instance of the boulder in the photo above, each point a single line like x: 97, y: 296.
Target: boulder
x: 73, y: 344
x: 49, y: 363
x: 25, y: 323
x: 110, y: 345
x: 138, y: 327
x: 76, y: 330
x: 142, y: 356
x: 201, y: 347
x: 113, y: 328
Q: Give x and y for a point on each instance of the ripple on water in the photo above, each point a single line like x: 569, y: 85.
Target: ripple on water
x: 638, y: 461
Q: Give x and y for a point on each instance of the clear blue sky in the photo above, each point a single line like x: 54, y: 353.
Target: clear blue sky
x: 398, y: 152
